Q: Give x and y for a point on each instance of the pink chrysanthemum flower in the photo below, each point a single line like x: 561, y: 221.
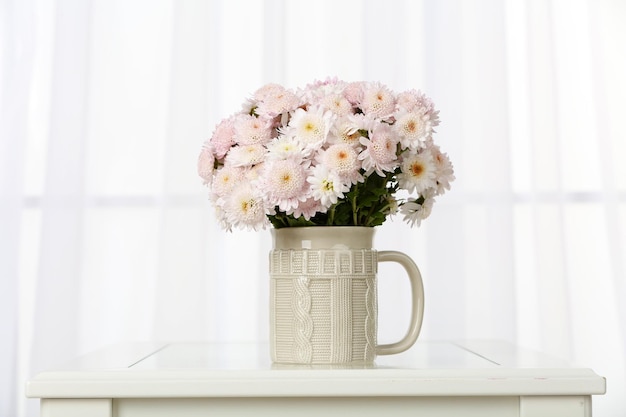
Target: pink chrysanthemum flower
x: 326, y: 186
x: 329, y: 82
x: 226, y: 179
x: 308, y: 209
x: 289, y: 154
x: 274, y: 99
x: 353, y: 92
x: 222, y: 138
x: 337, y: 104
x: 378, y: 101
x: 413, y: 101
x: 342, y: 159
x: 418, y: 172
x: 379, y: 154
x: 267, y: 91
x: 245, y: 209
x: 245, y: 155
x: 252, y: 130
x: 413, y: 129
x: 410, y: 100
x: 416, y: 101
x: 283, y: 183
x: 206, y: 162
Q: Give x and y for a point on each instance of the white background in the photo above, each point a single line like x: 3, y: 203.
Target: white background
x: 107, y: 235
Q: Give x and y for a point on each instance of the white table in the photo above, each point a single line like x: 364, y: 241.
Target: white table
x: 467, y: 379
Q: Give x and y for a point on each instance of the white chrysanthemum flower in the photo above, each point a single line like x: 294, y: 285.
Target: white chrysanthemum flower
x: 251, y: 130
x: 206, y: 163
x: 392, y: 205
x: 413, y: 129
x: 379, y: 154
x: 285, y: 147
x: 414, y: 212
x: 342, y: 159
x: 378, y: 101
x: 226, y: 179
x: 248, y: 106
x: 245, y: 155
x: 220, y: 215
x: 284, y: 184
x: 251, y: 174
x: 318, y: 91
x: 310, y: 127
x: 345, y: 130
x: 326, y: 186
x: 418, y: 172
x: 364, y: 122
x: 444, y: 169
x: 245, y: 209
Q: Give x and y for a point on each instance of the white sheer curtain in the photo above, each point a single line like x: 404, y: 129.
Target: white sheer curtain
x: 106, y: 234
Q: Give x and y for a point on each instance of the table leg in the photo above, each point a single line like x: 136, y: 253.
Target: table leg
x: 62, y: 407
x: 541, y: 406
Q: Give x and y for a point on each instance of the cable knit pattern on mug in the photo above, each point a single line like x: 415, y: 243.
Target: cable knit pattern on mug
x: 370, y: 318
x: 320, y: 310
x: 301, y: 304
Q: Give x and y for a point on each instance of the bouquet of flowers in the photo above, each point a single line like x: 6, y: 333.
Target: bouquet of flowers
x: 331, y: 154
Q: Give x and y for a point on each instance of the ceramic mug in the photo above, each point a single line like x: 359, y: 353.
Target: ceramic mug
x: 323, y: 296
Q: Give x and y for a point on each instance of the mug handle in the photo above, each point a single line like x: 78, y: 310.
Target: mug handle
x: 417, y: 302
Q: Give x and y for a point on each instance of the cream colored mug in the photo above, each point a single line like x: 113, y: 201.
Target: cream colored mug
x: 323, y: 296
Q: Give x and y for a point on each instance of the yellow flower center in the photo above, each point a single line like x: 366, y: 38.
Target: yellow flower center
x: 417, y: 169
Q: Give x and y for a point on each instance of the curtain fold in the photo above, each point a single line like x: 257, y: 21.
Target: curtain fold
x: 107, y: 234
x: 601, y: 59
x: 16, y: 68
x: 56, y: 325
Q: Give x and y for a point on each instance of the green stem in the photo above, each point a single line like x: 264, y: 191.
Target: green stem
x: 355, y: 218
x: 368, y: 218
